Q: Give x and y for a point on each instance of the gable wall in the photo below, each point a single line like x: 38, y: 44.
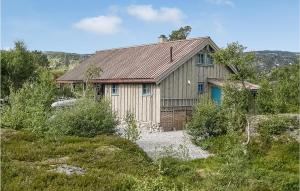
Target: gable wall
x: 176, y: 85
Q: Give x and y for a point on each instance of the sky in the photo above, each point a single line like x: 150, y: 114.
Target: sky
x: 85, y: 26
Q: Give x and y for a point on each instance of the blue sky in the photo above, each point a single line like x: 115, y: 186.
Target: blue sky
x: 84, y: 26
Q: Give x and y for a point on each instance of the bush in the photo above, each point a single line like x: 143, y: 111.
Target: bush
x: 131, y: 132
x: 274, y: 125
x: 263, y: 102
x: 87, y: 118
x: 207, y: 120
x: 29, y: 107
x: 284, y: 91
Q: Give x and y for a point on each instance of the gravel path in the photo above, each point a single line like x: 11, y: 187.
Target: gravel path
x: 174, y: 143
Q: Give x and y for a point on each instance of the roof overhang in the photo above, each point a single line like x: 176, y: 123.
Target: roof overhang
x: 117, y: 81
x: 222, y: 82
x: 68, y: 81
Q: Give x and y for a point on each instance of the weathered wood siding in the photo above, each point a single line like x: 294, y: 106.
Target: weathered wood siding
x: 177, y: 86
x: 130, y: 98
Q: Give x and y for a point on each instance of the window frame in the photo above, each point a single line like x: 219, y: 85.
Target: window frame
x: 146, y: 87
x: 199, y: 58
x: 115, y: 90
x: 202, y: 90
x: 209, y: 60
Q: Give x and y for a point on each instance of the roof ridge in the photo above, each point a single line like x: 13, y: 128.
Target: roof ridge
x: 140, y: 45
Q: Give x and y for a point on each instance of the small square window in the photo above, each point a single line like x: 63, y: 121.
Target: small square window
x: 115, y: 89
x: 200, y: 88
x: 146, y: 89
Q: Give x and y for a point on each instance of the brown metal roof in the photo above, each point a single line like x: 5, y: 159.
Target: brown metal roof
x: 144, y: 63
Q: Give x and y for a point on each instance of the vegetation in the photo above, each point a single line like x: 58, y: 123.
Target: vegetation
x: 208, y: 120
x: 234, y: 56
x: 64, y: 60
x: 267, y: 60
x: 86, y: 118
x: 131, y: 131
x: 282, y: 85
x: 19, y: 65
x: 29, y: 107
x: 179, y: 34
x: 275, y: 125
x: 113, y: 163
x: 91, y: 72
x: 110, y: 162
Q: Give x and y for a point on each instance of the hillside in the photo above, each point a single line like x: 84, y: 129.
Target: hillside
x: 268, y: 59
x: 64, y: 60
x: 265, y: 60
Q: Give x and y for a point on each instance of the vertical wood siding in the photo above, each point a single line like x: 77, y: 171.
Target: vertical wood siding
x: 176, y: 85
x: 130, y: 99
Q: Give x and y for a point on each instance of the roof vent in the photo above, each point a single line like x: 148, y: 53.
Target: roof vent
x: 171, y: 54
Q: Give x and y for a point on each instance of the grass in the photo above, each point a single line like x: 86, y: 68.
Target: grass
x: 113, y: 163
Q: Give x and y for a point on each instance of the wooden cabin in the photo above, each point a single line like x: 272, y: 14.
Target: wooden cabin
x: 160, y: 83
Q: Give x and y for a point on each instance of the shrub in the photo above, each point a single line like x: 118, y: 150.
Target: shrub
x: 207, y: 120
x: 29, y: 107
x: 86, y: 118
x: 131, y: 132
x: 263, y: 102
x: 274, y: 125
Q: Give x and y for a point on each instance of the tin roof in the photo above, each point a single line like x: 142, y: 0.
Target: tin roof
x: 144, y: 63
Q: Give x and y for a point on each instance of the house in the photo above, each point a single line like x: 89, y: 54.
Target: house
x: 157, y: 82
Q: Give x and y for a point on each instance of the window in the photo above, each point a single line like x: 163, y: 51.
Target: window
x: 146, y: 89
x: 98, y: 89
x: 115, y: 89
x: 201, y: 58
x: 209, y: 60
x: 200, y: 88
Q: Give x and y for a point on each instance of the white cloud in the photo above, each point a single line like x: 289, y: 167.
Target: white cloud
x: 148, y: 13
x: 100, y: 24
x: 221, y: 2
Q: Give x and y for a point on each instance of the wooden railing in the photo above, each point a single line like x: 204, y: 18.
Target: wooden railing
x: 177, y: 102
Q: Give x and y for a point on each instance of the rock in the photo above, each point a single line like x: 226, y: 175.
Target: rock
x: 68, y: 169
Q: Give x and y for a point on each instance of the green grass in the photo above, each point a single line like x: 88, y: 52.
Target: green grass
x: 113, y: 163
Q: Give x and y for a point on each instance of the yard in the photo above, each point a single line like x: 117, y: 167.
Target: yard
x: 109, y: 162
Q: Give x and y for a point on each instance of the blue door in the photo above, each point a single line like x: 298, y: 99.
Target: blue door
x: 215, y: 93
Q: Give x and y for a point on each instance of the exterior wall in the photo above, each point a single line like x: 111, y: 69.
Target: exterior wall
x: 176, y: 86
x: 130, y: 98
x: 179, y: 92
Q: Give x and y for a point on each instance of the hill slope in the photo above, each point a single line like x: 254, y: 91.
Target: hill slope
x: 267, y: 59
x: 64, y: 60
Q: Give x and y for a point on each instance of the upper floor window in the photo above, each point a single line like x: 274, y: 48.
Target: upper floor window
x: 115, y: 89
x: 200, y: 88
x: 200, y: 58
x: 146, y: 89
x: 209, y: 59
